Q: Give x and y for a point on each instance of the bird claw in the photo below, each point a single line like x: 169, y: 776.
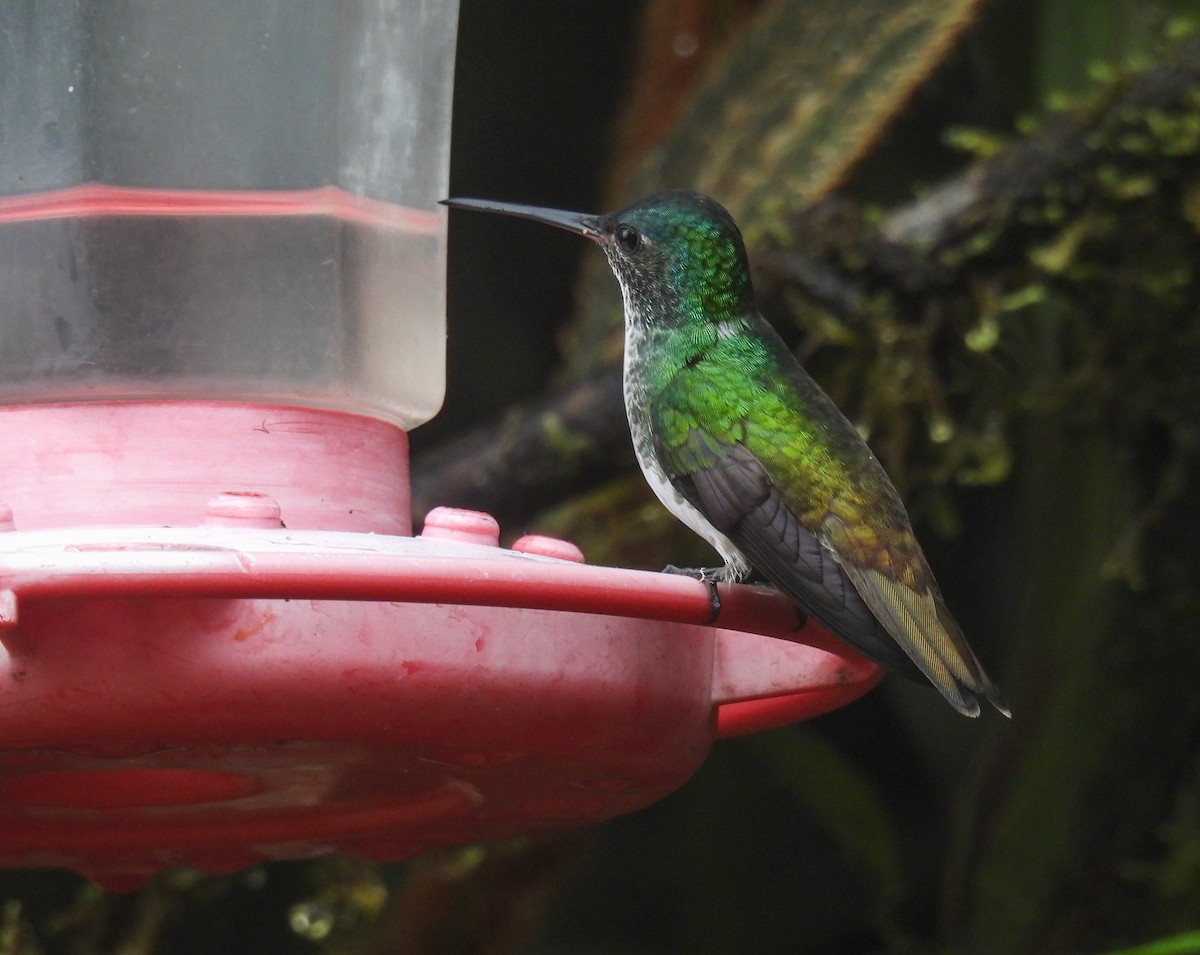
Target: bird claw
x: 709, y: 576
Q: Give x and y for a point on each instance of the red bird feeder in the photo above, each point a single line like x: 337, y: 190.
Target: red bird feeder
x: 221, y: 643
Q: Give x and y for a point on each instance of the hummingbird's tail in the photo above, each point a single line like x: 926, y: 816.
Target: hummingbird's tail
x: 923, y: 627
x: 979, y: 681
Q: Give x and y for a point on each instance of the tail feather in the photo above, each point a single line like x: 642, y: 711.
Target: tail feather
x: 924, y: 629
x: 981, y: 682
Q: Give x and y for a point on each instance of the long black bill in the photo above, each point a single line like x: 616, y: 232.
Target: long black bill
x: 576, y: 222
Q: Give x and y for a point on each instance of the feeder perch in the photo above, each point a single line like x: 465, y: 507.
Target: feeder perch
x: 220, y: 642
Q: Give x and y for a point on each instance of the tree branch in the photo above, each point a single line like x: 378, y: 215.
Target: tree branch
x: 540, y: 452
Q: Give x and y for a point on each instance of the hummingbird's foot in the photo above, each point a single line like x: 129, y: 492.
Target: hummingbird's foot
x: 709, y: 576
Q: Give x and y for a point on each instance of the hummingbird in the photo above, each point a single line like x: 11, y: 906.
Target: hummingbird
x: 745, y: 448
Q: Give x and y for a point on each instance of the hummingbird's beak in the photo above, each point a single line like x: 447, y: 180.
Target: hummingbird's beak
x: 576, y: 222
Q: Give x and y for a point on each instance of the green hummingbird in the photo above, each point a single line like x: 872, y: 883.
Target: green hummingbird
x: 746, y: 449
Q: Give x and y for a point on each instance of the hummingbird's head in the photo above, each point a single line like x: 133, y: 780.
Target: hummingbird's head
x: 678, y: 255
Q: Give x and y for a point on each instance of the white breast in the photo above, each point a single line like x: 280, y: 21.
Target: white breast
x: 736, y: 566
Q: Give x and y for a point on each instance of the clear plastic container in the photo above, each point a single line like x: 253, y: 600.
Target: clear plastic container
x: 225, y: 200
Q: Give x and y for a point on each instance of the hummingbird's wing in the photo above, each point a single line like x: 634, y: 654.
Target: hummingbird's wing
x: 736, y: 494
x: 860, y: 595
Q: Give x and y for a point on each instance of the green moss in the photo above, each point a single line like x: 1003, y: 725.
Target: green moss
x: 981, y: 144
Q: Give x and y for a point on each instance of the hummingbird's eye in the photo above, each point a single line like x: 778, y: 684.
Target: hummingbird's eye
x: 628, y: 239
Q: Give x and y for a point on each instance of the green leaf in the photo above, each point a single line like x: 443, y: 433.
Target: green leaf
x: 1186, y: 944
x: 800, y: 99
